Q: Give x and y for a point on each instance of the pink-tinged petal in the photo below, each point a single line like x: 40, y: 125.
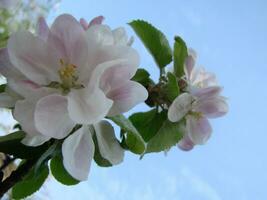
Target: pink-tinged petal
x: 88, y: 106
x: 69, y: 38
x: 192, y: 53
x: 201, y: 78
x: 111, y: 53
x: 206, y: 93
x: 120, y: 36
x: 52, y: 118
x: 186, y: 144
x: 24, y: 114
x: 42, y: 28
x: 199, y: 129
x: 28, y: 89
x: 34, y: 141
x: 33, y: 57
x: 180, y: 107
x: 84, y: 23
x: 212, y: 107
x: 108, y: 145
x: 189, y: 65
x: 78, y: 151
x: 99, y: 34
x: 7, y: 101
x: 6, y: 67
x: 126, y: 97
x: 96, y: 21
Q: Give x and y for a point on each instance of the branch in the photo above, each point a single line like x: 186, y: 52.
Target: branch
x: 16, y: 176
x: 7, y: 161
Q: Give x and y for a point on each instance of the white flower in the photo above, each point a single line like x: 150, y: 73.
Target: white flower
x: 66, y: 76
x: 201, y: 101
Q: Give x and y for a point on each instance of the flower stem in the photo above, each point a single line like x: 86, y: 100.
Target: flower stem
x: 16, y: 176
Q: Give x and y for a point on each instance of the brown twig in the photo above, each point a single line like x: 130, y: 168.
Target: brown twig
x: 16, y: 176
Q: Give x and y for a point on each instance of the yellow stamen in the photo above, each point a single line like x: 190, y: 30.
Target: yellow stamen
x: 197, y: 115
x: 67, y: 74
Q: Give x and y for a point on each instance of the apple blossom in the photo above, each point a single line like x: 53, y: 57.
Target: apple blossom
x: 68, y: 75
x: 197, y: 77
x: 202, y: 100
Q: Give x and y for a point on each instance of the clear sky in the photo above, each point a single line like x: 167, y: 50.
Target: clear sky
x: 230, y: 38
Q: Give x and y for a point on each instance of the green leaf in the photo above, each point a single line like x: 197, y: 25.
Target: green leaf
x: 179, y: 56
x: 2, y: 88
x: 30, y: 184
x: 171, y: 89
x: 133, y: 140
x: 148, y: 123
x: 60, y: 173
x: 154, y: 40
x: 100, y: 161
x: 141, y: 76
x: 167, y: 136
x: 46, y: 156
x: 11, y: 144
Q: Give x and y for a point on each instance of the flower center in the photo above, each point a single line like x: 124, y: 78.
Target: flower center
x: 67, y: 74
x: 68, y: 78
x: 197, y: 115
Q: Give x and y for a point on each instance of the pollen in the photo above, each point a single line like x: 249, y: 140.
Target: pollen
x: 67, y: 74
x: 67, y: 70
x: 197, y: 115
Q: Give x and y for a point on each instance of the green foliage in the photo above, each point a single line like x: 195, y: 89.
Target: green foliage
x: 30, y: 184
x: 171, y: 89
x: 148, y: 123
x: 167, y: 136
x: 45, y: 157
x: 11, y: 144
x: 141, y: 76
x: 134, y: 141
x: 179, y: 56
x: 60, y: 173
x: 100, y: 161
x: 154, y: 40
x: 2, y: 88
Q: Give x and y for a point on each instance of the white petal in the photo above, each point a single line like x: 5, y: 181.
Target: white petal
x: 186, y: 144
x: 6, y: 67
x: 78, y: 151
x: 101, y: 54
x: 24, y: 114
x: 100, y: 34
x: 42, y: 28
x: 109, y: 146
x: 96, y: 21
x: 190, y: 63
x: 120, y: 36
x: 88, y: 106
x: 199, y: 130
x: 180, y: 107
x: 34, y: 141
x: 126, y: 97
x: 28, y: 89
x: 69, y: 39
x: 33, y: 57
x: 212, y: 107
x: 52, y: 118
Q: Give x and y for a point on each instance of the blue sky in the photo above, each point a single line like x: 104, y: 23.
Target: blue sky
x: 230, y: 38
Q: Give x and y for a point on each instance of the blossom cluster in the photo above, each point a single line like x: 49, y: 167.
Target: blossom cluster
x: 65, y: 83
